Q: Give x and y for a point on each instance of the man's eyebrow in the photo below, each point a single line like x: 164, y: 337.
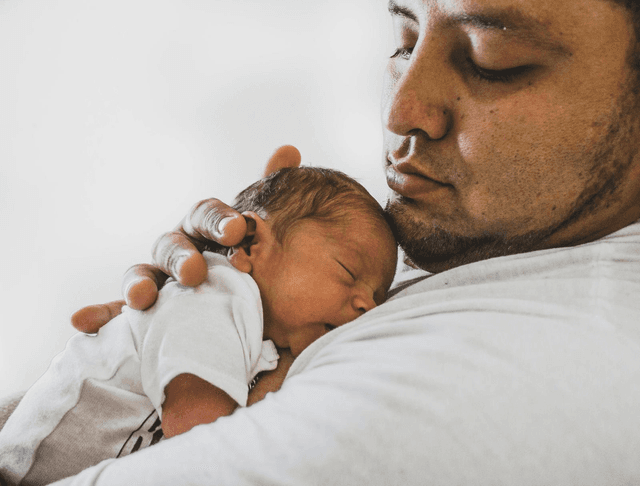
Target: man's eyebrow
x: 507, y: 19
x: 512, y: 22
x: 498, y: 19
x: 395, y: 9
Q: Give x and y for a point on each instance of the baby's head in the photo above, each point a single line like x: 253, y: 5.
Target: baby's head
x: 322, y: 252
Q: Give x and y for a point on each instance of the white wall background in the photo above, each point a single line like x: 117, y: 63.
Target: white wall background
x: 116, y: 116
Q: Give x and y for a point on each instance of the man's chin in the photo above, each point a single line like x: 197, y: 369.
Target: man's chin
x: 436, y: 249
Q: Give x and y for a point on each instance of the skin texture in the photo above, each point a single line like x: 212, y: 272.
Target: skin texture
x: 191, y: 401
x: 321, y: 276
x: 509, y: 126
x: 271, y: 380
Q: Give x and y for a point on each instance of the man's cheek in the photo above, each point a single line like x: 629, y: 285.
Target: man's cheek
x: 488, y: 210
x: 479, y: 205
x: 500, y: 201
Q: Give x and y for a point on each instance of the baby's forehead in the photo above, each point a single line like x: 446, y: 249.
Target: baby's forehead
x: 359, y: 222
x: 362, y: 233
x: 366, y: 222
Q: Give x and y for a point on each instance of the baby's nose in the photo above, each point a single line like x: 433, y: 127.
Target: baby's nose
x: 363, y: 301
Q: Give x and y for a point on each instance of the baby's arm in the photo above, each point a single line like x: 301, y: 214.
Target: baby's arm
x: 201, y: 348
x: 191, y: 401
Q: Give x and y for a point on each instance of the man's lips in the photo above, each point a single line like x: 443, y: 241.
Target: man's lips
x: 408, y: 182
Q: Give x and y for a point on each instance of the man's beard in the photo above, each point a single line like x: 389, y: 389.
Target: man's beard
x: 434, y: 248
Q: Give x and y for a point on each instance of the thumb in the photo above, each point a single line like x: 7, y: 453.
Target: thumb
x: 285, y: 156
x: 90, y: 319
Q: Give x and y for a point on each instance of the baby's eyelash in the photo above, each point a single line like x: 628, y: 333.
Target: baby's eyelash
x: 348, y: 271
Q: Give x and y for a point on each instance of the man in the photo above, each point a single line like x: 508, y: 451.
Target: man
x: 511, y: 150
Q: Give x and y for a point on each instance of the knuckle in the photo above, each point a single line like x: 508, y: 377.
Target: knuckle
x: 206, y: 216
x: 205, y: 207
x: 162, y: 248
x: 139, y: 269
x: 193, y: 225
x: 171, y: 250
x: 114, y: 308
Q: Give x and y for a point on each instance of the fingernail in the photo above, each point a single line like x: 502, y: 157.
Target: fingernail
x: 179, y: 261
x: 128, y: 288
x: 223, y: 223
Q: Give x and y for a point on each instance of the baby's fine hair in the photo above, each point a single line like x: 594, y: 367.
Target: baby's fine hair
x: 292, y: 195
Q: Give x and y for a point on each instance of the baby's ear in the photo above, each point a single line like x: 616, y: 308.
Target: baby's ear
x: 258, y: 236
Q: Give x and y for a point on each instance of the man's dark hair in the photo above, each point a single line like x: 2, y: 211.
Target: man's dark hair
x: 291, y: 195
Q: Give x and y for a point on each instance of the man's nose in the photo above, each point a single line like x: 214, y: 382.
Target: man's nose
x: 417, y: 93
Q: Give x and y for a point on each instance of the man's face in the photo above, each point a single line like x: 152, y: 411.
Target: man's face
x: 507, y: 126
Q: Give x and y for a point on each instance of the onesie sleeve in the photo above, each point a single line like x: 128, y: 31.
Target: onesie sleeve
x: 213, y: 332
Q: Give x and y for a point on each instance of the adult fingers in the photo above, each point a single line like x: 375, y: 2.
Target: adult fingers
x: 140, y: 285
x: 91, y: 318
x: 210, y: 225
x: 212, y: 220
x: 285, y: 156
x: 140, y: 289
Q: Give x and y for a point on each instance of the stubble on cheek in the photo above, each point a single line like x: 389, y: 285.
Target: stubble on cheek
x: 612, y: 158
x: 597, y: 170
x: 435, y: 249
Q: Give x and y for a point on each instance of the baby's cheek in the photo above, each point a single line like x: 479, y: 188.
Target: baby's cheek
x: 328, y: 303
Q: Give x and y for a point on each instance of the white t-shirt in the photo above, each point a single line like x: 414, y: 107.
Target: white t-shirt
x: 519, y: 370
x: 102, y: 397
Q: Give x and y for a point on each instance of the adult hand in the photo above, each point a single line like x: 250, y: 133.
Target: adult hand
x: 210, y: 224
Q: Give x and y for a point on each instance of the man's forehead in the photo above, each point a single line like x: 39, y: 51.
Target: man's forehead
x: 514, y: 14
x: 529, y: 20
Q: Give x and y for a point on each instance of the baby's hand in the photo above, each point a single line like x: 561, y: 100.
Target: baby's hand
x: 271, y: 381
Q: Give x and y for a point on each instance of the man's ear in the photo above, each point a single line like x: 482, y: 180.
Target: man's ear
x: 258, y: 239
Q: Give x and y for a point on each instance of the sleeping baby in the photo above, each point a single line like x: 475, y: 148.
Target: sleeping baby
x: 318, y: 255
